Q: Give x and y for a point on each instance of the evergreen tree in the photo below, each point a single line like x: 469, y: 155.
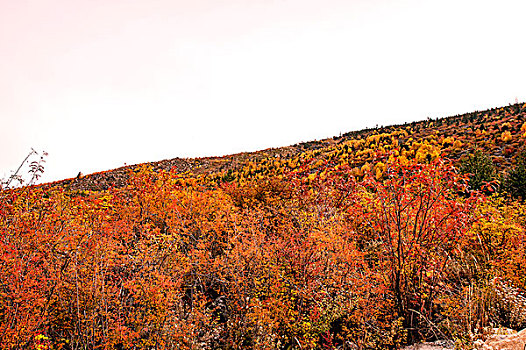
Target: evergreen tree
x: 480, y: 168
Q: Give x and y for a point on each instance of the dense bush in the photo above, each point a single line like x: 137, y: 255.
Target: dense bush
x: 292, y: 261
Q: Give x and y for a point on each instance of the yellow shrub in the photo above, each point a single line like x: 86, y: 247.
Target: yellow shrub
x: 506, y: 136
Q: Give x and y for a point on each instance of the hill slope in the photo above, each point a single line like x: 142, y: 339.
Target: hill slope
x: 496, y: 132
x: 371, y: 240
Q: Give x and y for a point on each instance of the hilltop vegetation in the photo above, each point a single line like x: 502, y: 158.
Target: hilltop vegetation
x: 373, y: 239
x: 497, y: 133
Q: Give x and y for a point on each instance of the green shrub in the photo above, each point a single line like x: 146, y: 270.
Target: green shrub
x: 480, y: 168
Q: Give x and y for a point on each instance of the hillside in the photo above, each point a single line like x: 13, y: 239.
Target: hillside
x: 375, y: 239
x: 498, y: 132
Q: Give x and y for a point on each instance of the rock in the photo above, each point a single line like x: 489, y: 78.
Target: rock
x: 437, y: 345
x: 515, y: 341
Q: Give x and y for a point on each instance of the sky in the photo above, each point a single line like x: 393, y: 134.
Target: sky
x: 102, y: 83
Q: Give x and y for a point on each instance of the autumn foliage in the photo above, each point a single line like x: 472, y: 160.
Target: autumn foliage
x: 373, y: 243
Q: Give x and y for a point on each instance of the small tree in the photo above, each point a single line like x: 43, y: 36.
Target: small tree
x: 36, y: 169
x: 417, y: 218
x: 480, y: 169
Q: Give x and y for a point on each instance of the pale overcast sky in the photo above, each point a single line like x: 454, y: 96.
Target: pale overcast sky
x: 101, y: 83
